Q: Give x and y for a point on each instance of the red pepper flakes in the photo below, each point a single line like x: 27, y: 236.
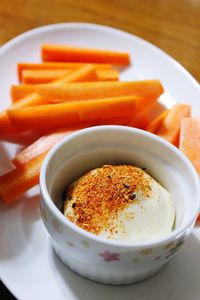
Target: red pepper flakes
x: 101, y: 194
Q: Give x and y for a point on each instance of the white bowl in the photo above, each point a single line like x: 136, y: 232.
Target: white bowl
x: 109, y: 261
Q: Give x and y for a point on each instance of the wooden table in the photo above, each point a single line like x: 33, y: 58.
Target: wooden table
x: 172, y: 25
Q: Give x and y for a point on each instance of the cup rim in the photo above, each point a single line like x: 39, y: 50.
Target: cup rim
x: 173, y: 235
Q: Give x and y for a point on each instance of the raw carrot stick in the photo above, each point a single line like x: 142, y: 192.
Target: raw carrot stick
x: 56, y: 65
x: 108, y: 75
x: 89, y: 90
x: 20, y: 180
x: 43, y: 76
x: 154, y: 125
x: 41, y: 145
x: 77, y: 112
x: 8, y: 132
x: 76, y: 54
x: 95, y: 90
x: 170, y: 127
x: 48, y: 76
x: 190, y: 140
x: 45, y: 142
x: 141, y: 120
x: 85, y: 73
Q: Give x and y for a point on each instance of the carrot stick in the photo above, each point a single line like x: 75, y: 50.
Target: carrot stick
x: 20, y: 180
x: 76, y: 112
x: 61, y: 53
x: 56, y: 65
x: 43, y: 76
x: 48, y: 76
x: 190, y: 140
x: 141, y: 120
x: 45, y: 142
x: 8, y: 132
x: 89, y: 90
x: 155, y: 124
x: 41, y: 145
x: 108, y: 75
x: 170, y: 128
x: 85, y: 73
x: 96, y: 90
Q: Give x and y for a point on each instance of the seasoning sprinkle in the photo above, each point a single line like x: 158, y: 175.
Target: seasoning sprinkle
x: 99, y: 200
x: 132, y: 196
x: 126, y: 185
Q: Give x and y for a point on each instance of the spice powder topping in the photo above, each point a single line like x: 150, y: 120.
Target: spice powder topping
x: 99, y: 195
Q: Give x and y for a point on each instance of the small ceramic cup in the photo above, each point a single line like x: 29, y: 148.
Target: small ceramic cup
x: 109, y: 261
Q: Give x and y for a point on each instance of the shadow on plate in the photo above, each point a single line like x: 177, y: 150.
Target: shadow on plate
x: 178, y: 280
x: 16, y: 223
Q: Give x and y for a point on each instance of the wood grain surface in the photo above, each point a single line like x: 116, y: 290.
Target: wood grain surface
x: 172, y: 25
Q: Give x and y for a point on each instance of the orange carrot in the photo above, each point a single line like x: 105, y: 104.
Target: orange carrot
x: 170, y: 128
x: 89, y: 90
x: 43, y: 76
x: 198, y: 218
x: 155, y: 124
x: 59, y: 53
x: 190, y: 140
x: 41, y: 145
x: 141, y: 120
x: 77, y: 112
x: 48, y: 76
x: 8, y: 132
x: 20, y: 180
x: 108, y: 75
x: 86, y: 73
x: 95, y: 90
x: 56, y: 65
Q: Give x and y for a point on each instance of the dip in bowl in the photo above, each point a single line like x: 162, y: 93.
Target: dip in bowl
x: 115, y: 261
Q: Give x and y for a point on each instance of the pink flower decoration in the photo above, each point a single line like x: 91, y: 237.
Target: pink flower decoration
x: 108, y: 256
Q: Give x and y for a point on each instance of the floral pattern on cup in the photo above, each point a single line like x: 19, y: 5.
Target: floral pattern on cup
x: 174, y: 249
x: 146, y: 251
x: 109, y: 256
x: 85, y: 244
x: 169, y: 245
x: 57, y: 226
x: 70, y: 244
x: 136, y: 260
x: 158, y: 258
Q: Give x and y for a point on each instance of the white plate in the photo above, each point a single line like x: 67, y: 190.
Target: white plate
x: 28, y: 267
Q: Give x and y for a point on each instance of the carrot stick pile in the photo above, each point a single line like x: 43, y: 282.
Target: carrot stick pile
x: 75, y: 88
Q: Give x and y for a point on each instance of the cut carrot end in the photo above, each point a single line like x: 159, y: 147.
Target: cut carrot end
x: 170, y: 127
x: 55, y: 66
x: 155, y: 124
x: 20, y: 180
x: 190, y: 140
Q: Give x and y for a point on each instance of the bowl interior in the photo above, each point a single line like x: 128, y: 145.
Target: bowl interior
x: 94, y: 147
